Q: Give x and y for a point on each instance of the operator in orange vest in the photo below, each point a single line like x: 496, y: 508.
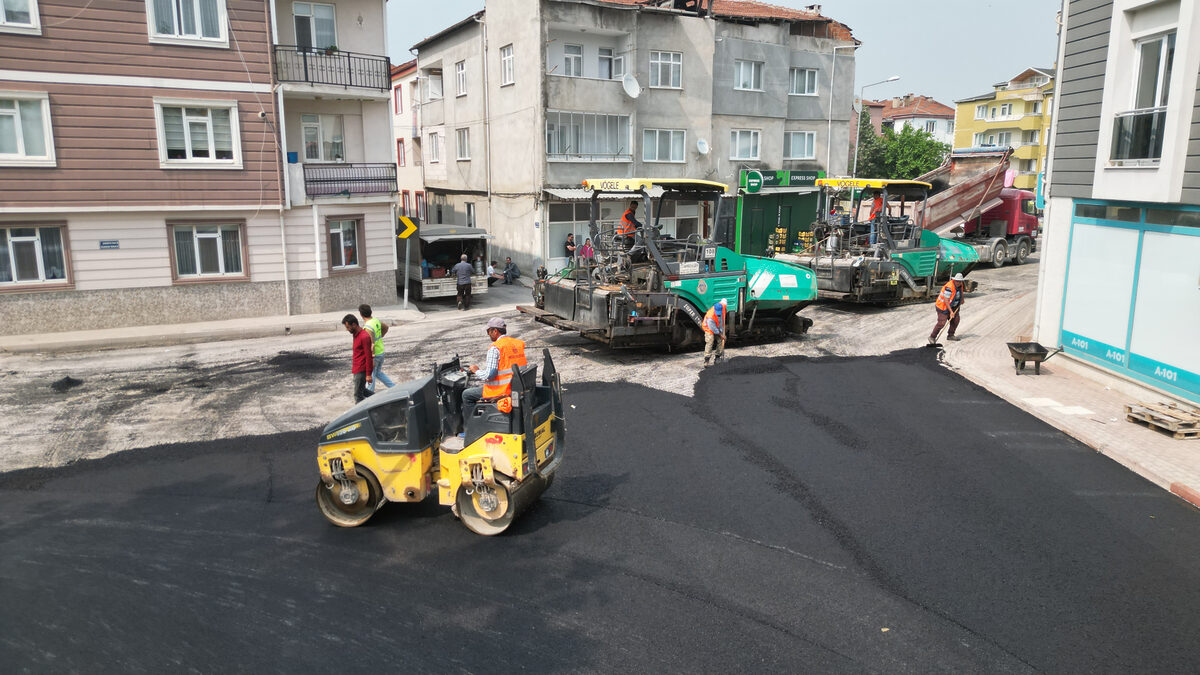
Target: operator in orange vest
x: 629, y: 224
x: 714, y: 330
x: 496, y: 372
x: 949, y: 306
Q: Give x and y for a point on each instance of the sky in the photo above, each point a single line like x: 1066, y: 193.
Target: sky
x: 937, y: 47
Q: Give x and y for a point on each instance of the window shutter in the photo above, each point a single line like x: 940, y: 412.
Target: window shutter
x: 222, y: 133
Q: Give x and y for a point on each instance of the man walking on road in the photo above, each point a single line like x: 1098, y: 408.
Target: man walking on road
x: 463, y: 271
x: 714, y: 330
x: 949, y: 307
x: 378, y: 329
x: 361, y: 356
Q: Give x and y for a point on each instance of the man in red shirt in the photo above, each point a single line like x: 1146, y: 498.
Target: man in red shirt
x: 363, y: 356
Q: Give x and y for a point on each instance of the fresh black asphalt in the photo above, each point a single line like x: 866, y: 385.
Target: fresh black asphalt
x: 831, y: 515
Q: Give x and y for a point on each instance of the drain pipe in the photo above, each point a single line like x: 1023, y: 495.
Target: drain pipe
x: 832, y: 95
x: 487, y: 118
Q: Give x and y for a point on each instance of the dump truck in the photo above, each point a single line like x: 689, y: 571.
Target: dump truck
x: 870, y: 243
x: 971, y: 203
x: 650, y: 290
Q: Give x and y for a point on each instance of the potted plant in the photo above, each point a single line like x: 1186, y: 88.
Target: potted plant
x: 331, y: 50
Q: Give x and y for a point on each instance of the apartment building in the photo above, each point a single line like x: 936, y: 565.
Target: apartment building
x: 406, y: 129
x: 1120, y: 279
x: 142, y: 161
x: 1015, y: 113
x: 917, y: 112
x: 621, y: 88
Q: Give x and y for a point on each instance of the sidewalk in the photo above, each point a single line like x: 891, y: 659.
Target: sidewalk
x: 1076, y: 397
x: 498, y: 298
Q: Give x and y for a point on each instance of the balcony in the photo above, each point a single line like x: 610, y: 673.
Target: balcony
x: 349, y: 180
x: 1138, y: 137
x: 331, y: 67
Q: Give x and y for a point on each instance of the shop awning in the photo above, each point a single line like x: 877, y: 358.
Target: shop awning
x: 583, y: 194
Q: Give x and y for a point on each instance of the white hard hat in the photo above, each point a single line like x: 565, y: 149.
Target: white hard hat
x: 958, y: 277
x: 724, y: 301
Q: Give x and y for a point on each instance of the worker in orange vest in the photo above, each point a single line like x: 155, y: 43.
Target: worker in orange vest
x: 714, y: 330
x: 496, y: 372
x: 629, y: 224
x: 949, y: 306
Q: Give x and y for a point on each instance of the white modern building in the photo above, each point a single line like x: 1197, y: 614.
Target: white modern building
x: 1120, y: 278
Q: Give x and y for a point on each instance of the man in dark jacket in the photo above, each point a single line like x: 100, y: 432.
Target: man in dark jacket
x: 362, y: 353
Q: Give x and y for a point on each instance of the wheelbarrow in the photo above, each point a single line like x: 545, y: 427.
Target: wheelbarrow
x: 1029, y: 352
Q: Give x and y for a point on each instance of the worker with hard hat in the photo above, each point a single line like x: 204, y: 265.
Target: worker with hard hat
x: 628, y: 224
x: 714, y: 330
x: 496, y: 372
x: 949, y: 307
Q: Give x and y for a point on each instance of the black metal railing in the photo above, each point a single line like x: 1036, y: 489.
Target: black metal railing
x: 331, y: 66
x: 1138, y: 135
x: 326, y: 180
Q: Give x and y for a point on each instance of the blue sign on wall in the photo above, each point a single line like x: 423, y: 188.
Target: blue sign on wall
x: 110, y: 243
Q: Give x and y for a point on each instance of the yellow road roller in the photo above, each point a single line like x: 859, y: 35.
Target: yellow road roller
x: 405, y: 442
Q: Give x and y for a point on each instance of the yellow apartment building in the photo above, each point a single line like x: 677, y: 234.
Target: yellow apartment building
x: 1015, y: 114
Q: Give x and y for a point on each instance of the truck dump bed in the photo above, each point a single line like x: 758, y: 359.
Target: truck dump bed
x: 967, y: 185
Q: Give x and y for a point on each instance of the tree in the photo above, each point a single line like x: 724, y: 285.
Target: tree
x: 897, y: 156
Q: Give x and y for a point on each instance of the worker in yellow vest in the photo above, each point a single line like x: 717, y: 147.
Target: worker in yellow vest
x: 496, y: 372
x: 714, y: 330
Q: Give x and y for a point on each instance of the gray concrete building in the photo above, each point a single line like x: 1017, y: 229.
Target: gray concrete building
x: 522, y: 101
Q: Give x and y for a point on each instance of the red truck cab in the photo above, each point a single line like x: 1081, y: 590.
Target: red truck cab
x: 1007, y: 231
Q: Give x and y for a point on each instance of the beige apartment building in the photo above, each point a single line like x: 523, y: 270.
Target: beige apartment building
x: 185, y: 160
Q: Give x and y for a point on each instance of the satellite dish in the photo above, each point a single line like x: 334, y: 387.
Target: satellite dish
x: 630, y: 84
x: 702, y: 146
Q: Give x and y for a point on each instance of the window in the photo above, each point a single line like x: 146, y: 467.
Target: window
x: 460, y: 78
x: 666, y: 70
x: 200, y: 22
x: 507, y: 72
x: 470, y: 214
x: 345, y: 237
x: 399, y: 101
x: 198, y: 134
x: 463, y: 144
x: 1031, y: 137
x: 799, y: 145
x: 993, y: 112
x: 202, y: 250
x: 1006, y: 109
x: 25, y: 136
x: 1003, y: 138
x: 611, y: 67
x: 1036, y: 108
x: 433, y: 85
x: 930, y: 126
x: 747, y: 75
x: 420, y: 202
x: 1027, y: 166
x: 324, y: 139
x: 1138, y: 133
x: 804, y: 82
x: 662, y: 145
x: 19, y: 16
x: 390, y: 422
x: 435, y: 149
x: 400, y: 153
x: 405, y: 203
x: 743, y: 144
x: 949, y: 126
x: 573, y: 60
x: 32, y: 255
x: 574, y: 136
x: 316, y: 27
x: 981, y: 112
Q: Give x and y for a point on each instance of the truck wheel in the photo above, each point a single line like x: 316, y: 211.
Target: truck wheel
x: 1023, y: 248
x: 999, y: 254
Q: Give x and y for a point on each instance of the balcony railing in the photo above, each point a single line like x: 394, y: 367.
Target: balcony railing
x: 327, y: 180
x: 328, y: 66
x: 1138, y: 136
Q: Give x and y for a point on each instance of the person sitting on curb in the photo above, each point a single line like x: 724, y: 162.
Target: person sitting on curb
x: 511, y: 271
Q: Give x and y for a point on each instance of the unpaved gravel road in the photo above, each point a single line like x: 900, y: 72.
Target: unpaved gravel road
x: 136, y: 398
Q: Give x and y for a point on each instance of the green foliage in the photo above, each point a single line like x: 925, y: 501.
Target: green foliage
x: 898, y: 156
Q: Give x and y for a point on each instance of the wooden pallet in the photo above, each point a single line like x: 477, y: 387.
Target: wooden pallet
x: 1168, y: 418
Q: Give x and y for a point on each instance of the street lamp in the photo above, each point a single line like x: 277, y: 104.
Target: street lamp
x: 861, y: 105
